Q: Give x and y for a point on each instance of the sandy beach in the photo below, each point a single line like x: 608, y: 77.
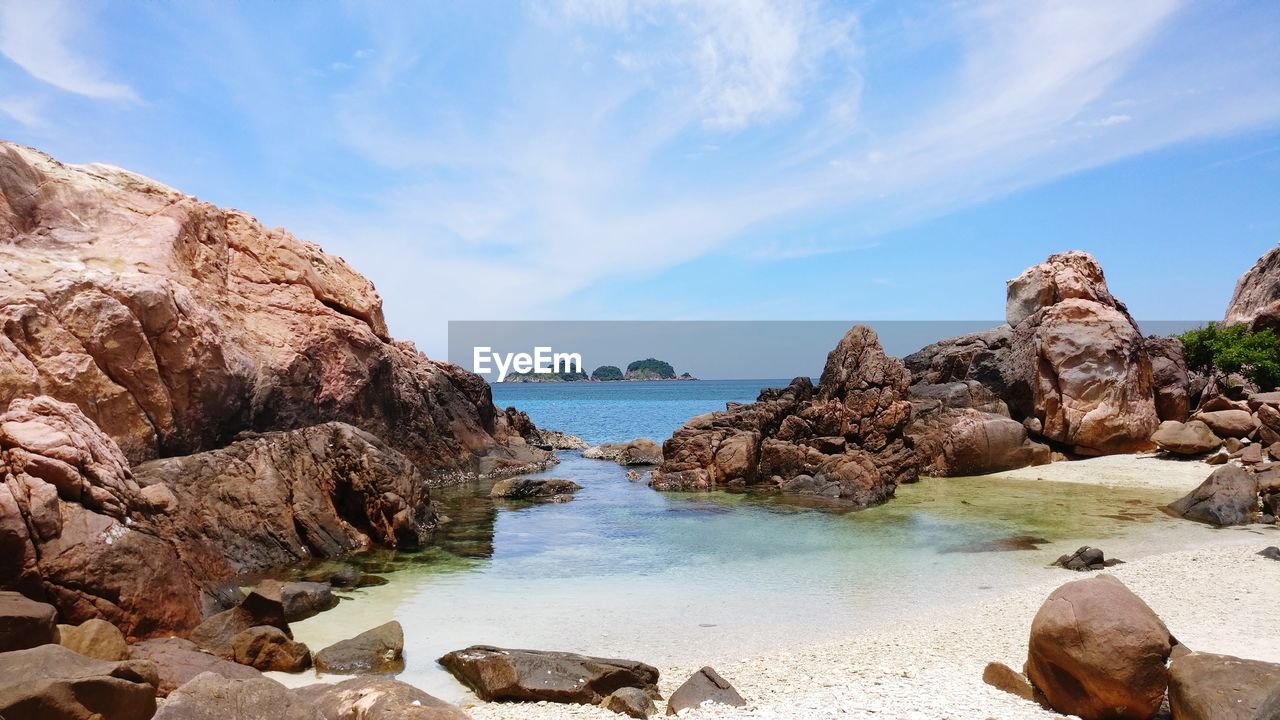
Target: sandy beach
x: 928, y: 663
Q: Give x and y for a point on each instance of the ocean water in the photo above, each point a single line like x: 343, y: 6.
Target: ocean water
x: 674, y: 578
x: 616, y: 411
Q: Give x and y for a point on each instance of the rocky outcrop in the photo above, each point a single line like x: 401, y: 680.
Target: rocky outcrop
x: 497, y: 675
x: 1176, y: 390
x: 51, y: 681
x: 845, y: 439
x: 1070, y: 360
x: 174, y: 325
x: 1256, y: 301
x: 641, y: 451
x: 704, y: 686
x: 534, y: 489
x: 961, y: 428
x: 1097, y: 651
x: 1204, y: 686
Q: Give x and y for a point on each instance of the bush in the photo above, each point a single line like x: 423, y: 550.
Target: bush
x: 607, y: 372
x: 1255, y: 355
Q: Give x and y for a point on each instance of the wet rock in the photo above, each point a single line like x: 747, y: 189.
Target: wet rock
x: 532, y: 488
x: 1086, y: 558
x: 25, y: 623
x: 1228, y: 497
x: 704, y: 686
x: 1096, y: 647
x: 379, y: 651
x: 95, y: 638
x: 1190, y: 438
x: 1004, y: 544
x: 302, y: 600
x: 1003, y: 677
x: 498, y: 674
x: 267, y: 648
x: 1204, y: 686
x: 177, y: 661
x: 52, y: 682
x: 209, y: 696
x: 630, y: 701
x: 374, y: 698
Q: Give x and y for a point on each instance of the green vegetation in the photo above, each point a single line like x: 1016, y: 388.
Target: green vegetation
x: 1255, y: 355
x: 545, y: 377
x: 651, y: 368
x: 607, y: 372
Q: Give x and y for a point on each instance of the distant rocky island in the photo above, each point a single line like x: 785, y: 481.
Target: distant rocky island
x: 640, y: 370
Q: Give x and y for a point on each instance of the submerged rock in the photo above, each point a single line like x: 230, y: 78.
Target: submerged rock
x: 379, y: 651
x: 51, y: 681
x: 1097, y: 651
x: 704, y: 686
x: 498, y: 674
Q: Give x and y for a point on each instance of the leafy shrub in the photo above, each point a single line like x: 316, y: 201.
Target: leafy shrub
x: 1255, y: 355
x: 607, y: 372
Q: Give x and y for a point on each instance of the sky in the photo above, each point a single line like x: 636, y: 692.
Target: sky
x: 672, y: 160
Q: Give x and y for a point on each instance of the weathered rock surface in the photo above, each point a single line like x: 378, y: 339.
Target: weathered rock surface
x: 371, y: 698
x: 1228, y: 497
x: 1256, y: 301
x: 94, y: 638
x: 25, y: 623
x: 497, y: 674
x: 1204, y: 686
x: 1175, y: 390
x: 1229, y: 423
x: 532, y: 488
x: 209, y: 696
x: 50, y: 681
x: 306, y: 599
x: 178, y: 661
x: 844, y: 439
x: 174, y: 324
x: 630, y: 701
x: 704, y: 686
x: 1097, y: 651
x: 1070, y: 358
x: 961, y: 428
x: 378, y: 651
x: 268, y: 648
x: 641, y: 451
x: 1190, y: 438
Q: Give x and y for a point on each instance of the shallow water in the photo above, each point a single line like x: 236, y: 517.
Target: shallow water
x: 625, y: 571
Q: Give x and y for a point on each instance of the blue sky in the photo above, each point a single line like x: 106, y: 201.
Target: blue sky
x: 656, y: 159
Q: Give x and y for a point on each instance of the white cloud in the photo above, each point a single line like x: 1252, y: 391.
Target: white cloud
x: 26, y: 110
x: 1112, y: 120
x: 40, y: 37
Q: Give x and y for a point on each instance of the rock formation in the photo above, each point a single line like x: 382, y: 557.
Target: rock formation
x: 843, y: 439
x: 174, y: 324
x: 502, y: 675
x: 1070, y: 360
x: 1256, y: 301
x: 961, y: 428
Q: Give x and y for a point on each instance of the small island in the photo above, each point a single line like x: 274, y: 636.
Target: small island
x: 649, y: 369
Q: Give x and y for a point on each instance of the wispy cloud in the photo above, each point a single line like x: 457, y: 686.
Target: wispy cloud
x: 40, y: 37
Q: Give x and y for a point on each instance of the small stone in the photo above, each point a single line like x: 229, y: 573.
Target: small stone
x: 630, y: 701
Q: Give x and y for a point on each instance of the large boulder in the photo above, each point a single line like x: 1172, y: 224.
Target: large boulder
x: 1256, y: 301
x: 846, y: 438
x: 961, y: 428
x: 25, y: 623
x: 209, y: 696
x: 302, y: 600
x: 51, y: 682
x: 1097, y: 651
x: 379, y: 651
x: 268, y: 648
x: 1232, y: 423
x: 94, y: 638
x: 1229, y: 496
x: 373, y: 698
x: 1190, y: 438
x: 704, y: 686
x: 178, y: 661
x: 497, y: 674
x: 174, y: 324
x: 1171, y: 380
x: 1204, y: 686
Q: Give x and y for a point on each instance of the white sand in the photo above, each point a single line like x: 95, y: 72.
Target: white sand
x: 927, y: 664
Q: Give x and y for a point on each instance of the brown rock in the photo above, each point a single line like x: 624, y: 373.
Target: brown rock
x: 25, y: 623
x: 497, y: 674
x: 51, y: 682
x: 179, y: 661
x: 1229, y: 423
x: 94, y: 638
x: 630, y: 701
x: 302, y: 600
x: 1097, y: 651
x: 217, y: 634
x: 789, y: 433
x: 374, y: 698
x: 532, y: 488
x: 956, y: 442
x: 1003, y: 677
x: 1256, y: 301
x: 377, y: 651
x: 1170, y: 378
x: 210, y: 696
x: 1204, y: 686
x: 267, y: 648
x: 1228, y: 497
x: 704, y: 686
x: 1191, y: 438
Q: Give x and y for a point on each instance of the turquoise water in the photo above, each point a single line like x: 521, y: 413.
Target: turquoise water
x: 611, y: 412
